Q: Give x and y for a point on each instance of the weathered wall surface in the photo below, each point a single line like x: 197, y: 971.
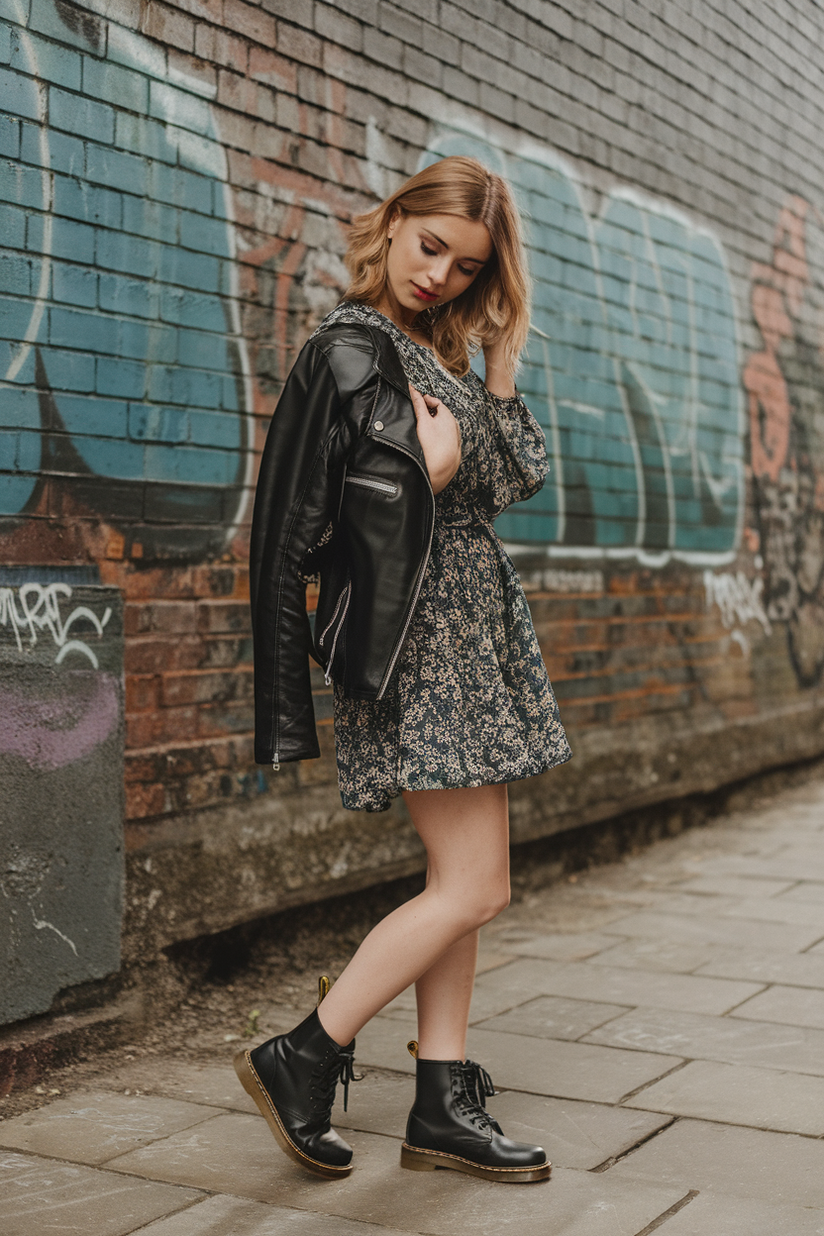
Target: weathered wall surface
x: 175, y: 189
x: 61, y: 773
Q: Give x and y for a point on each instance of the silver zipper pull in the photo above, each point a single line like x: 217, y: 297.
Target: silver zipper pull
x: 276, y: 762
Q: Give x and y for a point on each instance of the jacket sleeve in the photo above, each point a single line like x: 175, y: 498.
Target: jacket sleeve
x: 292, y: 511
x: 513, y: 463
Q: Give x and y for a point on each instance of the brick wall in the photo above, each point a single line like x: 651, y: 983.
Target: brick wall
x: 176, y: 181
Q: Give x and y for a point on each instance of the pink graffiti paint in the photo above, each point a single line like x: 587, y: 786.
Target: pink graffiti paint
x: 777, y: 294
x: 50, y: 733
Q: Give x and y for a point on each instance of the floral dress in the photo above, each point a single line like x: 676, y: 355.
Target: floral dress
x: 470, y: 702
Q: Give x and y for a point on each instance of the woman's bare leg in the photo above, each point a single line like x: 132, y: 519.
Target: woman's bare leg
x: 443, y: 997
x: 466, y: 835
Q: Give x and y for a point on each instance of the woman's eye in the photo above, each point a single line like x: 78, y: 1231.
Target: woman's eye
x: 464, y: 271
x: 430, y: 252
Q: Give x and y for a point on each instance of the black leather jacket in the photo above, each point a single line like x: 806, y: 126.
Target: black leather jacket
x: 343, y: 493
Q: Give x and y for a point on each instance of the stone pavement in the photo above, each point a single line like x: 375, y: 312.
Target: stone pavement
x: 658, y: 1024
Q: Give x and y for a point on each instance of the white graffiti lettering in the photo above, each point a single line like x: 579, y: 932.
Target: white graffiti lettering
x: 738, y: 598
x: 35, y: 609
x: 550, y: 579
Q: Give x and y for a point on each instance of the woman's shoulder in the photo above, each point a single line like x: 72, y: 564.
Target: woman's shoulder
x: 351, y: 339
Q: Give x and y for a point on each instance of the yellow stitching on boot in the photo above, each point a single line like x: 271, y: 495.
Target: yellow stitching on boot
x: 444, y: 1154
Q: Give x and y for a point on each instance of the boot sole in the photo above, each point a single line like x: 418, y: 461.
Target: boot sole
x: 418, y: 1160
x: 259, y: 1094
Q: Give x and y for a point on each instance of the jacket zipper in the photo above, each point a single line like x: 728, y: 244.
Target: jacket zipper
x: 368, y: 483
x: 331, y: 621
x: 327, y: 677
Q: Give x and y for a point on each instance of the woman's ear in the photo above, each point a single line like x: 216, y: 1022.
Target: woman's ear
x: 394, y: 222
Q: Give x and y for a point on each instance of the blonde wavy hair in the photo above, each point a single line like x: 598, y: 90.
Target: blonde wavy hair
x: 496, y: 303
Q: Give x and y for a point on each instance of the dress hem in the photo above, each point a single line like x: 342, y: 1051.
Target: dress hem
x: 466, y: 785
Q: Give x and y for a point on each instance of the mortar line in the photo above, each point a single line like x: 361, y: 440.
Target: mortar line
x: 667, y: 1214
x: 642, y: 1141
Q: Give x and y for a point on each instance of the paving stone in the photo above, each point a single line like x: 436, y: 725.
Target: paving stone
x: 765, y: 966
x: 94, y: 1127
x: 215, y: 1085
x: 232, y: 1152
x: 735, y: 886
x: 576, y: 946
x: 590, y: 980
x: 735, y: 1094
x: 232, y: 1216
x: 574, y: 1134
x: 655, y: 955
x: 491, y: 959
x: 806, y: 892
x: 382, y: 1043
x: 379, y: 1103
x: 748, y: 933
x: 726, y: 1039
x: 792, y: 1006
x: 40, y: 1196
x: 669, y: 901
x: 712, y: 1215
x: 745, y: 1163
x: 567, y: 1070
x: 791, y: 863
x: 554, y: 1017
x: 777, y: 911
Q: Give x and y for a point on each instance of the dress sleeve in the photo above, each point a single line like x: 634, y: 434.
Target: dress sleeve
x: 514, y: 464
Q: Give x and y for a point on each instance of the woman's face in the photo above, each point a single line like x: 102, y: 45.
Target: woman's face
x: 433, y: 258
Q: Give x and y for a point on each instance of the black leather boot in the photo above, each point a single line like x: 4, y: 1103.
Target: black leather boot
x: 449, y: 1126
x: 292, y: 1079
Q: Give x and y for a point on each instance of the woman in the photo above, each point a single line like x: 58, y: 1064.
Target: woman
x: 386, y: 462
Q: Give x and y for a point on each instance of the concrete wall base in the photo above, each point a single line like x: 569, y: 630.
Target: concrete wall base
x: 216, y: 869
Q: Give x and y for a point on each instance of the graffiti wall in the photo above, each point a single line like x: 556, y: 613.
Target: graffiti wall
x: 784, y: 383
x: 632, y: 368
x: 124, y: 369
x: 175, y: 185
x: 61, y: 772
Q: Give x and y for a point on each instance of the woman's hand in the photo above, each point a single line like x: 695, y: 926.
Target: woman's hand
x: 439, y: 436
x: 497, y: 377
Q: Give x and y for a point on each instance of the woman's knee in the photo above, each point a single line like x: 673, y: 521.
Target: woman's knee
x: 474, y: 907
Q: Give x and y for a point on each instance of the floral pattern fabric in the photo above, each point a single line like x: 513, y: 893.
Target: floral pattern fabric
x: 470, y: 702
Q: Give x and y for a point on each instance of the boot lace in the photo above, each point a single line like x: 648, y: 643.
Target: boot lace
x: 338, y: 1066
x: 474, y: 1088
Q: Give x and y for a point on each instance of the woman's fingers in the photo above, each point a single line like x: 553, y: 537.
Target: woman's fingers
x: 424, y: 403
x: 418, y: 401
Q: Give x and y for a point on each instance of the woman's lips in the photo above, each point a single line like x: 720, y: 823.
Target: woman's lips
x: 422, y: 292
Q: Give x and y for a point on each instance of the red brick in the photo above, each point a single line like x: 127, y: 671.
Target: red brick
x: 144, y: 766
x: 168, y: 26
x: 222, y: 47
x: 176, y: 724
x: 144, y: 800
x: 140, y: 730
x: 141, y: 692
x: 273, y: 69
x: 206, y: 687
x: 147, y: 655
x: 301, y: 45
x: 224, y: 616
x: 251, y: 21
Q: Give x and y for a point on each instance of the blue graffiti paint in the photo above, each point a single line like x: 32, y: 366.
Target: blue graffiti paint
x: 631, y: 368
x: 116, y: 215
